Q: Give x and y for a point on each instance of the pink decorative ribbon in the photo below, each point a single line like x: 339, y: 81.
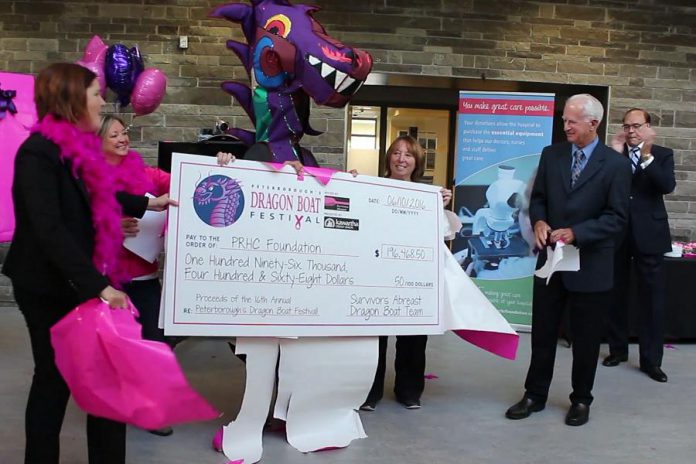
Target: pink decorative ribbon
x: 322, y: 175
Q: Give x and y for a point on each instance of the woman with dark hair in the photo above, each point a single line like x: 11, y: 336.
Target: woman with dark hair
x: 67, y: 236
x: 405, y: 160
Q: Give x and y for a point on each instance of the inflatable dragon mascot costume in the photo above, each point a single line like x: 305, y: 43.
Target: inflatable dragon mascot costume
x: 291, y: 58
x: 321, y: 380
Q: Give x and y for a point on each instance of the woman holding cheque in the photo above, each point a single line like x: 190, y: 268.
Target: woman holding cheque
x: 405, y: 161
x: 63, y: 252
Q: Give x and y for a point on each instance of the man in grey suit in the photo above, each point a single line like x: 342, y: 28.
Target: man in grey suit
x: 580, y: 197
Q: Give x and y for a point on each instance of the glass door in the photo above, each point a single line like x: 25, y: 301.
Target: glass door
x: 371, y: 129
x: 431, y: 129
x: 364, y: 140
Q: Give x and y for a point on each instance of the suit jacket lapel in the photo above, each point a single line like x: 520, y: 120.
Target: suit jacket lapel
x: 593, y: 166
x: 564, y: 162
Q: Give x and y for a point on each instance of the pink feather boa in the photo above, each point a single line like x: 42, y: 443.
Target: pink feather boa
x: 83, y: 151
x: 130, y: 175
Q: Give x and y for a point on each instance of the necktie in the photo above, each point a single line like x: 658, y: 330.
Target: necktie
x: 576, y: 169
x: 635, y: 158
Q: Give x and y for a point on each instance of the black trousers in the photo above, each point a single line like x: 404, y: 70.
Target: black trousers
x: 145, y: 295
x: 586, y: 321
x: 650, y: 305
x: 409, y: 365
x: 49, y: 394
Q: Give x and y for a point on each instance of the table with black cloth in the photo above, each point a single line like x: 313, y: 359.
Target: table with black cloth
x: 680, y: 310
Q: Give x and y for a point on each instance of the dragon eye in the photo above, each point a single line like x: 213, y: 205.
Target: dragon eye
x: 279, y: 25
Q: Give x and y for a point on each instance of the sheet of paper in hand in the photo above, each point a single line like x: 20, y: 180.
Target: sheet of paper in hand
x: 149, y: 242
x: 563, y: 258
x: 253, y: 251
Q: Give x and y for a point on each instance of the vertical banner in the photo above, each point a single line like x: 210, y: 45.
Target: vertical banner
x: 500, y: 136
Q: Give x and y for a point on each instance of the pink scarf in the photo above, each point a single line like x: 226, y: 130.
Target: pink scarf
x: 130, y: 175
x: 83, y: 150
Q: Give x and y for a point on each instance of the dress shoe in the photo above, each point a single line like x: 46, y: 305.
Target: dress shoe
x: 578, y: 414
x: 409, y: 403
x: 614, y: 360
x: 412, y: 404
x: 655, y: 373
x: 524, y: 408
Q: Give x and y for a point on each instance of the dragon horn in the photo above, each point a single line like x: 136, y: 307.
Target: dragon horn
x: 242, y: 51
x: 242, y: 94
x: 238, y: 13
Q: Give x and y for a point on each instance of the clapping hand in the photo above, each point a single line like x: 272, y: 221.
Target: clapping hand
x: 618, y: 141
x: 647, y: 133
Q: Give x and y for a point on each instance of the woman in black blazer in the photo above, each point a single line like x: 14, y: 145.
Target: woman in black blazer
x: 67, y: 223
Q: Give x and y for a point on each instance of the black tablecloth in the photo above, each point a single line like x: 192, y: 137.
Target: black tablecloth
x: 680, y: 314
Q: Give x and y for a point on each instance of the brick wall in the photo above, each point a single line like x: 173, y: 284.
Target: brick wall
x: 645, y: 50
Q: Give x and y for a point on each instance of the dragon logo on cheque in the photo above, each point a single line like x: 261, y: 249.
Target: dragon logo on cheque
x: 218, y: 200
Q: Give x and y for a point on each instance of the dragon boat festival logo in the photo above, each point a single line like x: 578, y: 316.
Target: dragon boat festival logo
x: 218, y: 200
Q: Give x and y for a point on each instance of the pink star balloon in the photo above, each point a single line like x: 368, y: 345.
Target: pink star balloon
x: 93, y: 59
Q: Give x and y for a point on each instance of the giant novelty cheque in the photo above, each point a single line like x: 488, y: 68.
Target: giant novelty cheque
x: 255, y: 251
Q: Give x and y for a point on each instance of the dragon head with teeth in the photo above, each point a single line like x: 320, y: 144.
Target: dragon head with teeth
x: 291, y: 58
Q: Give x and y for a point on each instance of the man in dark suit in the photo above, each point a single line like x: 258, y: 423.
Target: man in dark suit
x: 647, y: 238
x: 580, y: 197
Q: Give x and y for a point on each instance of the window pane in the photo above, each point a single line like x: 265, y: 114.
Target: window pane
x: 364, y: 127
x: 363, y: 142
x: 363, y: 146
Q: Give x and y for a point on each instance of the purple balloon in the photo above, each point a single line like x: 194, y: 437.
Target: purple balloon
x: 119, y: 72
x: 149, y: 91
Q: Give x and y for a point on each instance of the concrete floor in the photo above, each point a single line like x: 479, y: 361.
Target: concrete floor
x: 633, y: 419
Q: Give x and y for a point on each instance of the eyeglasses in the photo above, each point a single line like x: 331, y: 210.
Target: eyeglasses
x: 635, y: 127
